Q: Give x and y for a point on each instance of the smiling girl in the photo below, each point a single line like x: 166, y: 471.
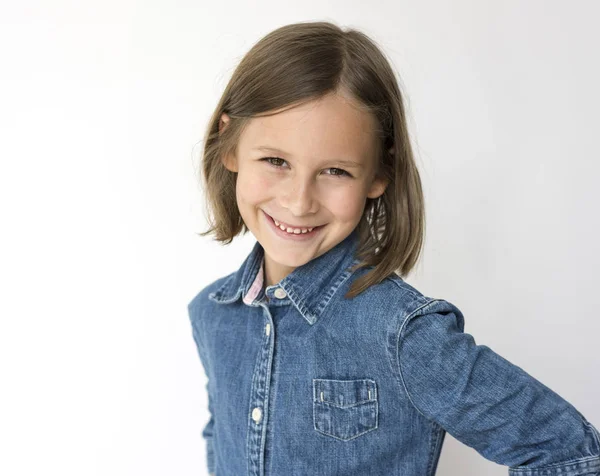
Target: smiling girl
x: 321, y: 360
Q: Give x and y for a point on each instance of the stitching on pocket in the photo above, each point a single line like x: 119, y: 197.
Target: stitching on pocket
x: 345, y: 409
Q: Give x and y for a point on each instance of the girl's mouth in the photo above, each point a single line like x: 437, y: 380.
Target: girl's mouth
x: 293, y: 235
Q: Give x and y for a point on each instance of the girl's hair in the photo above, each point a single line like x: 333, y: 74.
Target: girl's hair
x: 305, y: 61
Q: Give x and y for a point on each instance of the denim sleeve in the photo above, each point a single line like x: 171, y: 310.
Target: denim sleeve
x: 207, y: 431
x: 488, y: 403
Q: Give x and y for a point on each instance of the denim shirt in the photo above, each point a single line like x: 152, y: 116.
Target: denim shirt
x: 303, y: 381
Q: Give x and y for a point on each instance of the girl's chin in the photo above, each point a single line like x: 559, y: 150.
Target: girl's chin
x: 289, y: 260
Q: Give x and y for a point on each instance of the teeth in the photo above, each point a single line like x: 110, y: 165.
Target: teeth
x: 295, y: 231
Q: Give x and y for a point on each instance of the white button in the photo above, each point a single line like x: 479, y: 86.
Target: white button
x: 256, y: 414
x: 268, y: 328
x: 280, y: 293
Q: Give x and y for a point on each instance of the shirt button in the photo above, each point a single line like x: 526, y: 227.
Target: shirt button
x: 268, y: 328
x: 256, y: 414
x: 280, y: 293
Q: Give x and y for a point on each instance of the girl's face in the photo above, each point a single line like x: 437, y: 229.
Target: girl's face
x: 309, y: 166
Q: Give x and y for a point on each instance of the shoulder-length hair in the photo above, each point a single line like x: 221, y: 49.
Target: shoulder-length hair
x: 302, y: 62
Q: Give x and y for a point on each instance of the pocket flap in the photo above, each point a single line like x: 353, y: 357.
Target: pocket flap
x: 344, y: 392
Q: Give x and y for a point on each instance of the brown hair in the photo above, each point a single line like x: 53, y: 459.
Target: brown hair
x: 302, y: 62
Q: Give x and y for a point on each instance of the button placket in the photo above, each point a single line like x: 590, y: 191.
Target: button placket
x: 260, y: 402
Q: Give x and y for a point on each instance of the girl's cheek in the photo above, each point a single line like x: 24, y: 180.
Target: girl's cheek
x: 345, y: 202
x: 256, y: 186
x: 264, y: 185
x: 268, y: 180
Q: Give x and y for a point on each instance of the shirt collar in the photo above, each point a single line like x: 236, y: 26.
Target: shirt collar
x: 309, y: 287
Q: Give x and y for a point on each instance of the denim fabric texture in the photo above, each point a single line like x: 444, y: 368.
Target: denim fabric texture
x: 303, y: 381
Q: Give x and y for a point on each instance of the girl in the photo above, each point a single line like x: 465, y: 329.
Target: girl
x: 321, y: 360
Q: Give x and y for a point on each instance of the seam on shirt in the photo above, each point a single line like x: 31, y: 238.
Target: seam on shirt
x: 397, y: 372
x: 594, y: 431
x: 395, y: 351
x: 436, y: 441
x: 403, y: 325
x: 397, y: 348
x: 398, y: 281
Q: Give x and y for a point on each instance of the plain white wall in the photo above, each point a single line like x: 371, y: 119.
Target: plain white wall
x: 102, y: 105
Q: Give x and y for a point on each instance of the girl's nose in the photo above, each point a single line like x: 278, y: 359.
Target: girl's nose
x: 299, y: 198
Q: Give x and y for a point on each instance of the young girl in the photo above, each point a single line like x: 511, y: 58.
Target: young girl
x: 321, y: 360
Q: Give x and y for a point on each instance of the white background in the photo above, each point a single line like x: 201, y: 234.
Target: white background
x: 103, y: 107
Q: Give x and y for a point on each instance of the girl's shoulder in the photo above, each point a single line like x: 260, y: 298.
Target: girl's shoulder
x: 421, y: 304
x: 201, y: 299
x: 392, y: 288
x: 397, y: 281
x: 393, y: 291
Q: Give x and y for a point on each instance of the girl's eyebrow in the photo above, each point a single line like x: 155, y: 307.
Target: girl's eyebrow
x: 345, y: 162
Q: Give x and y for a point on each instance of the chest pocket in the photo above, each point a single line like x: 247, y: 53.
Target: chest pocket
x: 344, y: 409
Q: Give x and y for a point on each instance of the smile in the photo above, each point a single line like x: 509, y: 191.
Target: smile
x: 292, y: 232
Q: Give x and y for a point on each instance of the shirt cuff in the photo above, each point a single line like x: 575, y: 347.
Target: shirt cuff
x: 589, y: 466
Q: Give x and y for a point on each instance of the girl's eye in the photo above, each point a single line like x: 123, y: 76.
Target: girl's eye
x: 268, y: 159
x: 341, y: 172
x: 277, y: 164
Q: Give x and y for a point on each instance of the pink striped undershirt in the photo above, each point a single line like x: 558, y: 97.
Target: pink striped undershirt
x: 256, y: 285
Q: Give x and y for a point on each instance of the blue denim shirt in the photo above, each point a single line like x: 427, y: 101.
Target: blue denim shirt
x: 302, y: 381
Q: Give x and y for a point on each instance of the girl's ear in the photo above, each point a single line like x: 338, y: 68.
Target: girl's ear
x: 223, y: 121
x: 377, y: 187
x: 229, y: 161
x: 379, y: 184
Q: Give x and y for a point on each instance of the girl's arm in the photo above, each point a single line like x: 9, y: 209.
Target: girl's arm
x: 207, y: 431
x: 488, y: 403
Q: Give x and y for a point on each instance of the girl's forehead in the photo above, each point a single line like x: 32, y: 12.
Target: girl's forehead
x: 332, y: 109
x: 329, y: 127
